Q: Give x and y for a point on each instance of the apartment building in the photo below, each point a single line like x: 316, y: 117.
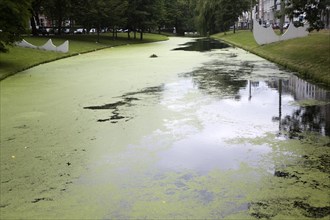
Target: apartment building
x: 267, y: 10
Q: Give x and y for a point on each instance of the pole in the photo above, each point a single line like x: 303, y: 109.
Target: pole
x: 282, y: 19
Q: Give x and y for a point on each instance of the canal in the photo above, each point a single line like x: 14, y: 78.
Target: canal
x: 202, y: 130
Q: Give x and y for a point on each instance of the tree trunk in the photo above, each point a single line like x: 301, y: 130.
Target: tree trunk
x: 282, y: 19
x: 98, y: 34
x: 141, y: 34
x: 33, y: 26
x: 251, y: 17
x: 59, y: 26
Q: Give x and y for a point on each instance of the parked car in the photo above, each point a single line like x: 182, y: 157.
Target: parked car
x: 66, y: 31
x: 122, y: 30
x: 275, y: 26
x: 286, y: 25
x: 92, y: 30
x: 43, y: 31
x: 80, y: 31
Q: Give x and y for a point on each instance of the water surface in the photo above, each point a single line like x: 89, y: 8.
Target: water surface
x: 118, y: 135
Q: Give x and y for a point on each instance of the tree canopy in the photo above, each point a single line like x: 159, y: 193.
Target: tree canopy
x: 205, y: 16
x: 14, y: 21
x: 218, y: 15
x: 311, y: 9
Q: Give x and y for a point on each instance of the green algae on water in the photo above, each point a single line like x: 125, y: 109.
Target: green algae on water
x: 310, y: 102
x: 297, y: 183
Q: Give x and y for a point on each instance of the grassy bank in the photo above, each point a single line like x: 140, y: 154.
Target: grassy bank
x: 19, y: 59
x: 309, y: 56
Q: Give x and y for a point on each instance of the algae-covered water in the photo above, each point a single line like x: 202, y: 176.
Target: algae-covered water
x: 116, y: 134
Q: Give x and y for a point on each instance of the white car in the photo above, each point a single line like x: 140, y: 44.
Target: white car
x: 80, y: 31
x: 286, y: 25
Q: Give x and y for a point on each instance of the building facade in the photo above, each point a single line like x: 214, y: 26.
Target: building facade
x: 267, y: 11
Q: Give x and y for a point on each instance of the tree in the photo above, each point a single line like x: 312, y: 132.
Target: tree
x: 14, y: 21
x: 206, y: 16
x: 99, y: 14
x: 219, y: 15
x: 35, y: 10
x: 186, y: 20
x: 180, y: 14
x: 58, y: 11
x: 142, y: 15
x: 312, y: 9
x: 229, y: 12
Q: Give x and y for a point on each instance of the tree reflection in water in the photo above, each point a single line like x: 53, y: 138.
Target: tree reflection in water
x: 313, y: 117
x: 220, y: 81
x: 307, y: 119
x: 225, y: 80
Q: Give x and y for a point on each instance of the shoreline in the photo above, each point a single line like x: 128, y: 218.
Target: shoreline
x: 304, y: 67
x: 19, y: 59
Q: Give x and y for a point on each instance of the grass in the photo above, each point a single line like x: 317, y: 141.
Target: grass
x: 19, y: 59
x: 308, y: 56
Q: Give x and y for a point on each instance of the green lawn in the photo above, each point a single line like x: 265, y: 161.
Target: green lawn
x: 309, y: 56
x: 18, y: 59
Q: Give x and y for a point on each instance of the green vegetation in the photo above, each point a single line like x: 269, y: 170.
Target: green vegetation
x: 312, y: 9
x: 14, y: 16
x: 19, y: 59
x: 308, y: 56
x: 216, y: 16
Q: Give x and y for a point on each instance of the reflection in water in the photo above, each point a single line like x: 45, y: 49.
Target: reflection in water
x: 312, y: 116
x: 308, y: 108
x: 203, y: 45
x: 309, y: 118
x: 219, y: 81
x: 233, y: 98
x: 238, y: 104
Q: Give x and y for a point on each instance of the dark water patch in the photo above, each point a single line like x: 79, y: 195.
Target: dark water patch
x: 312, y: 212
x: 307, y: 119
x: 205, y: 196
x: 271, y: 208
x: 219, y: 82
x: 324, y: 165
x: 107, y: 106
x: 4, y: 206
x: 261, y: 210
x: 115, y: 118
x: 284, y: 174
x: 180, y: 184
x: 147, y: 91
x: 203, y: 45
x: 41, y: 199
x: 321, y: 162
x: 22, y: 127
x: 11, y: 139
x: 6, y: 181
x: 128, y: 100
